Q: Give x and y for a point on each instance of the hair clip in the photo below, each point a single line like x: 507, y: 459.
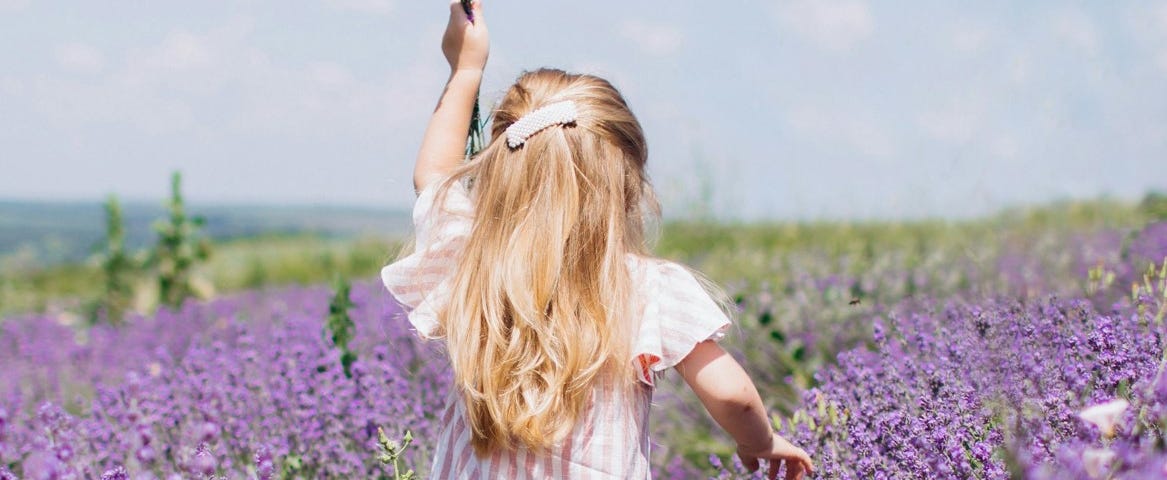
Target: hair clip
x: 554, y: 114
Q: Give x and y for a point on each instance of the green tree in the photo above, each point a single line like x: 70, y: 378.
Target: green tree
x: 180, y: 248
x: 116, y: 267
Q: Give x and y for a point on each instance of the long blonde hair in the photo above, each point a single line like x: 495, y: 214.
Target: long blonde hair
x: 540, y: 310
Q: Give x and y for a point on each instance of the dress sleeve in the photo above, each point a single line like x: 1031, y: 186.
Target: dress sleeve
x: 421, y: 280
x: 678, y: 314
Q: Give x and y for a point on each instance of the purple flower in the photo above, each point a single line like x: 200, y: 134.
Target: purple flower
x: 116, y: 473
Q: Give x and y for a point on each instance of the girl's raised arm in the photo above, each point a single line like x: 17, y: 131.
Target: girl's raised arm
x: 466, y: 45
x: 731, y: 398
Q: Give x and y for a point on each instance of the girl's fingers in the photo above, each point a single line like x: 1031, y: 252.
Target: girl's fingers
x: 794, y: 470
x: 804, y: 460
x: 457, y: 13
x: 775, y: 464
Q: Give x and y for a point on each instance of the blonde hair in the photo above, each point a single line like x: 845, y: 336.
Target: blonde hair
x: 541, y: 309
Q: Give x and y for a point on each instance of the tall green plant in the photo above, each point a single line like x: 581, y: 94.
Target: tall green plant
x: 340, y: 326
x: 391, y: 452
x: 180, y: 248
x: 116, y: 267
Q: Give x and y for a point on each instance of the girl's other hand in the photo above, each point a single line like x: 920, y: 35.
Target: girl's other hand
x: 466, y: 44
x: 780, y: 451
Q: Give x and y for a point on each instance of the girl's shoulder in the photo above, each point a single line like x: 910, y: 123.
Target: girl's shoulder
x: 677, y: 312
x: 673, y: 276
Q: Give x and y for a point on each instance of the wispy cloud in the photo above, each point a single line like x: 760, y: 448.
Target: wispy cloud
x: 830, y: 24
x: 14, y: 5
x: 970, y: 39
x: 834, y: 127
x: 956, y: 122
x: 379, y: 7
x: 1146, y: 25
x: 652, y: 38
x: 79, y: 58
x: 171, y: 85
x: 1077, y: 30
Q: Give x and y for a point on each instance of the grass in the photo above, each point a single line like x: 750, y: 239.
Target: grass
x: 744, y: 254
x: 242, y: 264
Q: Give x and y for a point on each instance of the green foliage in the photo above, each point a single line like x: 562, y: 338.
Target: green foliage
x: 117, y: 269
x: 391, y: 451
x: 1154, y: 288
x: 476, y: 138
x: 340, y: 326
x: 180, y: 248
x: 1154, y: 206
x: 292, y: 466
x: 749, y: 256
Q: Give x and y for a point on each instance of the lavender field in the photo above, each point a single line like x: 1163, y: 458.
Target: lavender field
x: 978, y: 351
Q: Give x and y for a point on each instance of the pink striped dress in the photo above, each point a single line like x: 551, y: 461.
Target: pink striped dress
x: 611, y: 441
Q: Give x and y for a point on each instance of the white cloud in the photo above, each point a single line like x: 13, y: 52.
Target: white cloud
x: 1148, y: 27
x: 1020, y: 68
x: 1005, y: 146
x: 835, y: 25
x: 956, y: 123
x: 184, y: 51
x: 969, y: 39
x: 79, y: 58
x: 329, y: 74
x: 379, y: 7
x: 653, y: 39
x: 14, y: 5
x: 1073, y: 27
x: 1159, y: 17
x: 841, y: 127
x: 189, y: 77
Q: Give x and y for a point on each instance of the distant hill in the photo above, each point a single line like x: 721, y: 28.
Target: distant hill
x: 47, y: 233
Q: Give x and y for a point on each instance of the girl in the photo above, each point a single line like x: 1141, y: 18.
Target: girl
x: 530, y: 262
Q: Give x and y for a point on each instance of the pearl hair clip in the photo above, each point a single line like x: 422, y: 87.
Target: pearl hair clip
x: 554, y: 114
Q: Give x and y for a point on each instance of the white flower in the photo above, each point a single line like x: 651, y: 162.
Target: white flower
x: 1105, y: 416
x: 1097, y: 461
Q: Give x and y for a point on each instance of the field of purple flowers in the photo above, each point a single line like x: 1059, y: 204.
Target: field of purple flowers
x: 1041, y: 358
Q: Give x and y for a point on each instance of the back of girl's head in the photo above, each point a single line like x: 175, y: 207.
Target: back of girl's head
x: 594, y: 167
x: 541, y: 309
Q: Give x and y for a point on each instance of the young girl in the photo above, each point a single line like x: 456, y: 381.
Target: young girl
x: 530, y: 262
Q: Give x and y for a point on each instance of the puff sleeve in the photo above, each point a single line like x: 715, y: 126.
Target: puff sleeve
x: 678, y: 314
x: 421, y: 280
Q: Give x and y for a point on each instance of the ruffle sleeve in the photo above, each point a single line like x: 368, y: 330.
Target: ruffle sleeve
x: 421, y: 280
x: 678, y: 314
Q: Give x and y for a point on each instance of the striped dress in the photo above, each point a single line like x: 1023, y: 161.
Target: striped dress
x: 611, y: 441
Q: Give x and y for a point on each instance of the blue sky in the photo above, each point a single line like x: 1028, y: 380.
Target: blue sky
x: 792, y: 109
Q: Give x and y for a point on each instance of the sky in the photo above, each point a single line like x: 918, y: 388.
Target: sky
x: 794, y: 109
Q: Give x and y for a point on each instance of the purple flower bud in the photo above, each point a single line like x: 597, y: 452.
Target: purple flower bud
x: 145, y: 455
x: 42, y: 466
x: 264, y: 466
x: 64, y: 452
x: 117, y: 473
x: 203, y: 462
x: 208, y: 432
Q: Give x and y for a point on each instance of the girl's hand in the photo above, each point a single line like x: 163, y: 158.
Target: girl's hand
x: 466, y: 44
x: 780, y: 451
